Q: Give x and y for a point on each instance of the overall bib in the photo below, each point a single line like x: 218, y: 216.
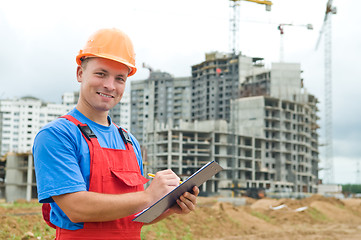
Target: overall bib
x: 112, y: 171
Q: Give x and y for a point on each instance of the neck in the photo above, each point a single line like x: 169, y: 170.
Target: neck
x: 100, y: 117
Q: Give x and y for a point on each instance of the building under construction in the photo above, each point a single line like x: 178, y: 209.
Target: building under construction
x: 158, y: 99
x: 20, y: 180
x: 262, y: 129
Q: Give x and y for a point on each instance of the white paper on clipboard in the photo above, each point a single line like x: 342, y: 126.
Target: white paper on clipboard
x: 197, y: 179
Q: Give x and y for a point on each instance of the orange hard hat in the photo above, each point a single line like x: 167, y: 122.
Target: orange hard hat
x: 112, y: 44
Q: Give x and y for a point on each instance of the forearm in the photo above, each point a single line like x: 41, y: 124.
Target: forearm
x: 98, y: 207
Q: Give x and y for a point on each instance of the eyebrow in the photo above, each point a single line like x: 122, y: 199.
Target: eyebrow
x: 105, y: 71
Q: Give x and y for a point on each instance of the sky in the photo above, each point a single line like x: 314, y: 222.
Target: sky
x: 40, y: 39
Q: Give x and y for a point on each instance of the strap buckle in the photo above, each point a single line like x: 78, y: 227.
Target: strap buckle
x: 88, y: 133
x: 125, y: 136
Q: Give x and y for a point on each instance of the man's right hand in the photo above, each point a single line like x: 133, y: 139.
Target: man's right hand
x: 163, y: 182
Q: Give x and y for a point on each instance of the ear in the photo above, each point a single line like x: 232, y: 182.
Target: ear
x: 79, y: 74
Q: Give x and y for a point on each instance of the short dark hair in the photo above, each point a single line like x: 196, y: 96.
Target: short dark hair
x: 84, y: 61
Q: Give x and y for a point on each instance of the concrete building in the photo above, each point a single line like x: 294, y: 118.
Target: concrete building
x: 20, y: 177
x: 289, y: 130
x: 21, y: 119
x: 283, y: 81
x: 214, y: 83
x: 269, y: 143
x: 275, y: 106
x: 267, y: 139
x: 70, y: 98
x: 157, y: 99
x: 190, y: 145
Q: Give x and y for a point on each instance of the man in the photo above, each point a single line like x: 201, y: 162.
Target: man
x: 88, y: 169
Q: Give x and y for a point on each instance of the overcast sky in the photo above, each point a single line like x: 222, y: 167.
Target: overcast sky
x: 40, y: 39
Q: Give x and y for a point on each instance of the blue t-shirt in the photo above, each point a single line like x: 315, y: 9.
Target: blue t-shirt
x: 62, y: 160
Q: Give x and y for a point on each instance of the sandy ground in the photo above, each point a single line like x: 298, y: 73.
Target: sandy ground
x: 311, y: 218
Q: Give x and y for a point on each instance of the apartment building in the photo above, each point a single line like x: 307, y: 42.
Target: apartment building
x: 20, y: 180
x: 275, y: 106
x: 214, y: 83
x: 187, y: 147
x: 159, y: 98
x: 21, y: 119
x: 70, y: 98
x: 290, y: 154
x: 271, y: 144
x: 267, y: 137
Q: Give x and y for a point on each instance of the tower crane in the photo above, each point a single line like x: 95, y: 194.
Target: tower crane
x: 281, y: 28
x: 326, y: 30
x: 234, y: 20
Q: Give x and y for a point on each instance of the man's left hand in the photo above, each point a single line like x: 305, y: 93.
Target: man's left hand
x: 186, y: 203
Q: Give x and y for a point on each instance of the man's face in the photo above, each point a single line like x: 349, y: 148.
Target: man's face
x: 102, y: 83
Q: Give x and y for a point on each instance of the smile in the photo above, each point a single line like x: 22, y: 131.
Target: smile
x: 104, y: 95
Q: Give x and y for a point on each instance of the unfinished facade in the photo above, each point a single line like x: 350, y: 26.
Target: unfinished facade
x: 186, y: 148
x: 264, y: 135
x: 289, y: 129
x: 157, y: 99
x: 20, y: 177
x: 214, y: 83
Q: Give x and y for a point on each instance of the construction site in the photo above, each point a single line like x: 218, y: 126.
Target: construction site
x: 313, y: 218
x: 262, y: 132
x: 258, y: 121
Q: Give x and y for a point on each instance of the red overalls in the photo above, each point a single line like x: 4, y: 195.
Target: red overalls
x: 112, y: 171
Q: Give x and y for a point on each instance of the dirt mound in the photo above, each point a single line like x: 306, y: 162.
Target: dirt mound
x: 336, y: 213
x: 352, y: 202
x: 248, y: 221
x: 319, y: 218
x: 316, y: 217
x: 264, y: 204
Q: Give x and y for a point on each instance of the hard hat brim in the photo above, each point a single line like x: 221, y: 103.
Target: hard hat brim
x: 132, y: 68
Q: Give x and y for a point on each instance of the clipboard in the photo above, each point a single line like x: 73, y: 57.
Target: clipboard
x: 196, y: 179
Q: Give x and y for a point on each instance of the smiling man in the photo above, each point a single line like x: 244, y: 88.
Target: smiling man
x: 102, y: 86
x: 89, y: 171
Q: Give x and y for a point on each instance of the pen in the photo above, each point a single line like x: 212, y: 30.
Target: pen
x: 153, y: 175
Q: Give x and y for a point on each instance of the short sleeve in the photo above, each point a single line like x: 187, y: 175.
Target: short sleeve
x: 56, y: 163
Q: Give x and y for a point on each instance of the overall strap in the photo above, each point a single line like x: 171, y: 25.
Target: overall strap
x: 125, y: 136
x: 90, y: 138
x: 84, y: 128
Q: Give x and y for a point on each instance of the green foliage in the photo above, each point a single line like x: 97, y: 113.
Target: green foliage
x: 163, y: 230
x: 20, y: 205
x: 351, y: 188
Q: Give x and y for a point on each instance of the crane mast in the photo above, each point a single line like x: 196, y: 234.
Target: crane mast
x: 234, y: 21
x: 326, y: 30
